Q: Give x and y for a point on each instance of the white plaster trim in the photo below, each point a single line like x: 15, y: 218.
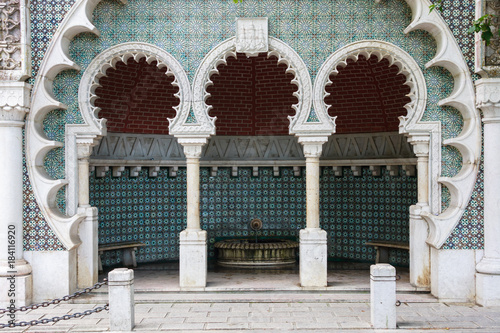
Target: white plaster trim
x: 56, y: 60
x: 122, y: 53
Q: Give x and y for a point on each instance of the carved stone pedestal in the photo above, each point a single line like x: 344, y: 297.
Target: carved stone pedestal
x: 313, y: 258
x: 193, y: 259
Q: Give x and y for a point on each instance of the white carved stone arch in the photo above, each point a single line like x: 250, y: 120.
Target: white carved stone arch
x: 468, y: 142
x: 122, y: 53
x: 285, y: 54
x: 56, y: 60
x: 93, y: 127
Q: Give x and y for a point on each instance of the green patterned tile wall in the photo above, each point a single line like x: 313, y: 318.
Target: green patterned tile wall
x: 354, y: 210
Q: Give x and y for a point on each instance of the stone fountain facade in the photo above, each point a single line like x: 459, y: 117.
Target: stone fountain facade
x: 84, y: 182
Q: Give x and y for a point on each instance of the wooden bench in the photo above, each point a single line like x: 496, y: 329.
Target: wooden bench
x: 128, y: 253
x: 383, y: 248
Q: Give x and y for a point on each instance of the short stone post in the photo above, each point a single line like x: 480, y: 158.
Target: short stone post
x: 383, y: 296
x: 121, y: 299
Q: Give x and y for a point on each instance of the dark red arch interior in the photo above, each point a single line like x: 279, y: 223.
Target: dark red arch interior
x: 252, y: 96
x: 137, y: 97
x: 367, y: 96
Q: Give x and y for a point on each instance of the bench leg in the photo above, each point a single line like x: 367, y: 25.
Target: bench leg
x: 382, y: 255
x: 129, y: 257
x: 99, y: 262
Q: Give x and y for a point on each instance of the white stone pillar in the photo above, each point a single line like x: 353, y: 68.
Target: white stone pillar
x: 419, y: 250
x: 193, y: 240
x: 313, y: 240
x: 383, y: 296
x: 488, y: 269
x: 121, y: 300
x: 15, y: 272
x: 88, y: 269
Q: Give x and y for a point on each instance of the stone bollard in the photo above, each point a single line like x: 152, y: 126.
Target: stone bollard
x: 383, y: 296
x: 121, y: 299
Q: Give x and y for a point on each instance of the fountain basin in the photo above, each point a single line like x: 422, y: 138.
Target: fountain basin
x: 248, y: 252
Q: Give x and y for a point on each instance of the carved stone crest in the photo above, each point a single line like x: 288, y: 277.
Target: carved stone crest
x: 252, y: 36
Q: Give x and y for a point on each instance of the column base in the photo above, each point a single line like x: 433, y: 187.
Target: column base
x: 54, y: 273
x: 313, y: 258
x: 16, y: 288
x: 452, y: 275
x: 88, y: 250
x: 420, y: 272
x: 489, y: 266
x: 487, y: 289
x: 193, y: 259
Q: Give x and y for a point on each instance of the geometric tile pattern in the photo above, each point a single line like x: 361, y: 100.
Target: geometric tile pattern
x: 469, y: 233
x: 354, y: 210
x: 197, y: 26
x: 37, y: 234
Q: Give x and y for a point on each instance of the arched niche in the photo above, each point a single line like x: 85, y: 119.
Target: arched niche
x: 441, y: 224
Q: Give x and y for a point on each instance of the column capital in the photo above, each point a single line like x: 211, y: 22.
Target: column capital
x: 192, y: 146
x: 84, y: 145
x: 14, y: 102
x: 488, y: 99
x: 313, y: 145
x: 420, y: 143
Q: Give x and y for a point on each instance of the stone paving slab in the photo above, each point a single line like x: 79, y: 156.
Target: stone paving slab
x: 276, y: 317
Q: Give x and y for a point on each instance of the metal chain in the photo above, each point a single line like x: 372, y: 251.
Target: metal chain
x: 55, y: 319
x: 57, y: 300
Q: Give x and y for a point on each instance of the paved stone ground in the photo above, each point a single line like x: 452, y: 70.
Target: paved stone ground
x: 271, y: 317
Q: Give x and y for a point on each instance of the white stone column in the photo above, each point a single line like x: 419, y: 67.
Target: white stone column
x: 193, y: 240
x: 488, y: 269
x: 88, y: 270
x: 419, y: 250
x: 15, y: 272
x: 313, y: 240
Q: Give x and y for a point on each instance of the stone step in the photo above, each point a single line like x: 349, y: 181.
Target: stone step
x: 261, y: 297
